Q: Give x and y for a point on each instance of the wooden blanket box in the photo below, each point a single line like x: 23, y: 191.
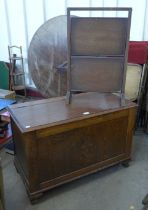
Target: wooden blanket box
x: 57, y: 142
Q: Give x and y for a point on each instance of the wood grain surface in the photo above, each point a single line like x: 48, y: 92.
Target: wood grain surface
x: 47, y: 50
x: 50, y: 112
x: 69, y: 144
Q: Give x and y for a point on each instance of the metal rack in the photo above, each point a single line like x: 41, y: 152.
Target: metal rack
x: 17, y: 75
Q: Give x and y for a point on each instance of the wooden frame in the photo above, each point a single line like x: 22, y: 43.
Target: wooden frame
x: 94, y: 57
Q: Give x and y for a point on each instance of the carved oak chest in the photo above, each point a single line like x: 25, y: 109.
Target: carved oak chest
x: 56, y: 143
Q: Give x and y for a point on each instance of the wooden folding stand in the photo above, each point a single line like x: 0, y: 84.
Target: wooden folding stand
x: 97, y: 51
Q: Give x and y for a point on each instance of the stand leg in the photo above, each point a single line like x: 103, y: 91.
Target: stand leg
x: 122, y: 99
x: 145, y: 200
x: 145, y: 207
x: 68, y: 97
x: 125, y: 163
x: 34, y: 198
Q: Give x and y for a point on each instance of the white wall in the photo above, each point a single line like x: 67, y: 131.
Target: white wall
x: 19, y: 19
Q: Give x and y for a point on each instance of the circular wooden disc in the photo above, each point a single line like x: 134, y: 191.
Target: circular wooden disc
x: 47, y: 50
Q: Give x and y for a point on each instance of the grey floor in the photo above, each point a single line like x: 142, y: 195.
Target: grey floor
x: 115, y: 188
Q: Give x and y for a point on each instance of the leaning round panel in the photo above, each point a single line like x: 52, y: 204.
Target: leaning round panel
x: 47, y: 50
